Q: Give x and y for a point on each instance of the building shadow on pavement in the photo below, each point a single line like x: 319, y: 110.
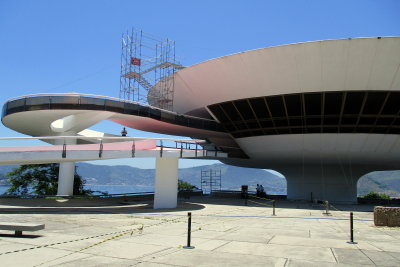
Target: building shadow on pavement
x: 87, y: 206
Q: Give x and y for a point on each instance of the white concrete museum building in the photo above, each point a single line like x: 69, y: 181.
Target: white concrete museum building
x: 322, y: 113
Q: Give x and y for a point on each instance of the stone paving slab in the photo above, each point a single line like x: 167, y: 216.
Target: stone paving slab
x: 395, y: 255
x: 124, y: 250
x: 91, y: 261
x: 208, y: 234
x: 37, y: 256
x: 381, y: 258
x: 209, y: 244
x: 155, y: 239
x: 245, y: 238
x: 311, y: 242
x: 353, y: 257
x: 43, y: 239
x: 387, y: 246
x: 206, y: 258
x: 6, y: 246
x: 281, y: 251
x: 305, y: 263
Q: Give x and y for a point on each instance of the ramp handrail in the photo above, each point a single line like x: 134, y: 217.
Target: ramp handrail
x: 105, y: 98
x: 99, y: 138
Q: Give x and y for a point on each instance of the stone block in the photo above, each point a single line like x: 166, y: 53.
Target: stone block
x: 387, y: 216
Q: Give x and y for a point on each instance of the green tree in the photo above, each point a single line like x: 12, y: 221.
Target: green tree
x: 40, y: 179
x: 373, y: 195
x: 185, y: 186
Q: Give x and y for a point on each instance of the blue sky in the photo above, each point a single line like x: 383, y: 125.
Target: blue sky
x: 74, y: 46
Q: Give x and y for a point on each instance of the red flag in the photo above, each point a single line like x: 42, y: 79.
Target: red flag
x: 135, y: 61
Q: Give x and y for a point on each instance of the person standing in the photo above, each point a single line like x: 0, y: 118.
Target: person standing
x: 261, y: 191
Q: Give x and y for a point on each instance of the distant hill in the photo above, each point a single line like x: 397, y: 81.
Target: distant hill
x: 381, y: 182
x: 232, y: 178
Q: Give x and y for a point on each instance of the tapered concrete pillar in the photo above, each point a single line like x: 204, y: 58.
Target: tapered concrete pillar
x: 67, y: 170
x: 335, y: 183
x: 166, y: 183
x: 66, y: 179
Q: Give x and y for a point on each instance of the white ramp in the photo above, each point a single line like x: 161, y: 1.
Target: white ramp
x: 68, y: 153
x: 166, y: 167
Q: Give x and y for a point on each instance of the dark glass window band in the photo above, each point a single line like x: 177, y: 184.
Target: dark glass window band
x: 316, y: 112
x: 89, y: 103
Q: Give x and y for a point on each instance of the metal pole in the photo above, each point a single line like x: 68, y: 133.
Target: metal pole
x: 351, y: 230
x: 64, y: 152
x: 273, y: 208
x: 210, y: 182
x: 101, y: 149
x: 189, y: 231
x: 189, y: 228
x: 133, y: 149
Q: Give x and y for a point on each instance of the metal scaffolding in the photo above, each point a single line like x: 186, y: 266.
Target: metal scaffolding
x: 147, y: 67
x: 210, y: 180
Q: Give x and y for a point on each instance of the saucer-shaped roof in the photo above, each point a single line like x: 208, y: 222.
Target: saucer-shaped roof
x: 331, y: 65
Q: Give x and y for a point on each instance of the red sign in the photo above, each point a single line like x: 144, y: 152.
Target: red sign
x: 135, y: 61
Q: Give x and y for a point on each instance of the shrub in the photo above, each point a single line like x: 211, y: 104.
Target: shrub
x: 373, y: 195
x: 185, y: 186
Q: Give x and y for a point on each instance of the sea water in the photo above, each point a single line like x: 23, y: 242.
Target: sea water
x: 110, y: 189
x: 3, y: 189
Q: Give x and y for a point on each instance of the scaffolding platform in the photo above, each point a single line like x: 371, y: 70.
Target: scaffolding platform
x: 148, y: 65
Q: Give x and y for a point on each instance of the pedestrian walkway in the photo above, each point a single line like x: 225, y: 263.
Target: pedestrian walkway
x: 225, y: 232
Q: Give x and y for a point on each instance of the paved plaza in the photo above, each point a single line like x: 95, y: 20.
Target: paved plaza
x: 225, y: 232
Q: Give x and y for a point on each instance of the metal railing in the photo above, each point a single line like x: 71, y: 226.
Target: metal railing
x: 105, y: 98
x: 181, y: 145
x: 51, y: 101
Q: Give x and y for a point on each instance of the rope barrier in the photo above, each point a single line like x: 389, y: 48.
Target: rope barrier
x: 117, y: 235
x: 90, y: 246
x: 59, y: 243
x: 122, y: 233
x: 265, y: 217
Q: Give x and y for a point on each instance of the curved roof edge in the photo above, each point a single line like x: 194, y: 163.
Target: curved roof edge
x: 283, y: 45
x: 96, y: 102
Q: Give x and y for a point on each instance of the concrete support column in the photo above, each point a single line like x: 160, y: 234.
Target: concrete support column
x: 166, y: 183
x: 66, y: 179
x: 67, y: 170
x: 334, y: 183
